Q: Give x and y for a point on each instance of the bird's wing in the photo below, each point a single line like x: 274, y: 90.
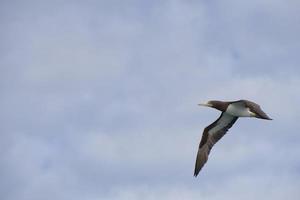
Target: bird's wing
x: 211, y: 135
x: 253, y: 107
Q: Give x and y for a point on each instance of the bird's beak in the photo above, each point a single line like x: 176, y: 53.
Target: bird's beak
x: 205, y: 104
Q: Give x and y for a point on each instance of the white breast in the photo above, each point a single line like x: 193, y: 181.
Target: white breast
x: 238, y: 110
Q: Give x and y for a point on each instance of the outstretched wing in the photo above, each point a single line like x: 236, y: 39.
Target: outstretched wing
x: 254, y: 108
x: 211, y: 135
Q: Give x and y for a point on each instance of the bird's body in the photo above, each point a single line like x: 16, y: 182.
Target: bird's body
x: 231, y: 111
x: 238, y: 110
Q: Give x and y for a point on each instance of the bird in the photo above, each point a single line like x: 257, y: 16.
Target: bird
x: 231, y: 111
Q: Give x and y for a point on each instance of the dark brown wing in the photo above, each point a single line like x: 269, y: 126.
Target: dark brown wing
x: 255, y: 108
x: 211, y: 135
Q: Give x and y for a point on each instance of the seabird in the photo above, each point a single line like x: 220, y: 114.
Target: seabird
x: 231, y: 111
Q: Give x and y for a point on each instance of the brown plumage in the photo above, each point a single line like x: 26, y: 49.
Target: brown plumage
x: 231, y: 111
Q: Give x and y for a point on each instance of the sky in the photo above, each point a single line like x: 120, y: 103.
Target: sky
x: 99, y: 99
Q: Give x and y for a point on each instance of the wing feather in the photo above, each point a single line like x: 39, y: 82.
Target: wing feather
x: 211, y: 135
x: 255, y: 108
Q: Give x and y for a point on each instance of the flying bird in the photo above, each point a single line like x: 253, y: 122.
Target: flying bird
x: 231, y: 111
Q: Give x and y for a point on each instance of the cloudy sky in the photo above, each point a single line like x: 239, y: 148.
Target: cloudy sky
x: 99, y: 99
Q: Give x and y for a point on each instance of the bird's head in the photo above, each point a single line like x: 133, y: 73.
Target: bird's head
x: 219, y: 105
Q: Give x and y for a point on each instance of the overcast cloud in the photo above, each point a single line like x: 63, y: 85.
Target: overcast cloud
x: 99, y: 99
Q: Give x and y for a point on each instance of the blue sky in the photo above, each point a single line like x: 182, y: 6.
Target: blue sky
x: 99, y: 99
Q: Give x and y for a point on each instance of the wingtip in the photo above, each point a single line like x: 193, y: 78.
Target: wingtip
x: 268, y: 118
